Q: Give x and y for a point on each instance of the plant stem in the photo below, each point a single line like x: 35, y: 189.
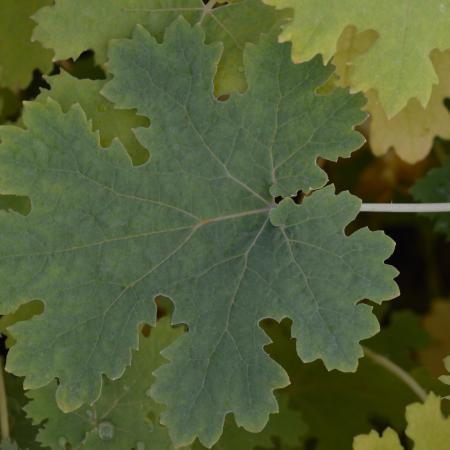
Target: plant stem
x: 397, y: 371
x: 406, y: 207
x: 4, y: 421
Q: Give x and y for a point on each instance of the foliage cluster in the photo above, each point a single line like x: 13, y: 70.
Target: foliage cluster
x: 182, y: 264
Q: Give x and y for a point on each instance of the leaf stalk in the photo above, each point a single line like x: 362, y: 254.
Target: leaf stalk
x: 397, y: 371
x: 406, y: 207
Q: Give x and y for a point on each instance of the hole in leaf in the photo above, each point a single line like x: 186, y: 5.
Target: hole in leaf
x: 165, y: 307
x: 83, y: 67
x: 298, y: 198
x: 278, y: 199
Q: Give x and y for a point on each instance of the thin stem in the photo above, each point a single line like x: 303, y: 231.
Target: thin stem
x: 406, y: 207
x: 397, y: 371
x: 4, y: 421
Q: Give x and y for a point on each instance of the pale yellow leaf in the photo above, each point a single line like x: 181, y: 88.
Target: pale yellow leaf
x: 427, y: 428
x: 373, y: 441
x: 412, y: 130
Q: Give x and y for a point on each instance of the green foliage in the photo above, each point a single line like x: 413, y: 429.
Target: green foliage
x: 104, y: 258
x: 369, y: 396
x: 111, y: 123
x: 232, y: 25
x: 403, y: 66
x: 24, y: 312
x: 123, y: 417
x: 175, y: 164
x: 427, y: 427
x: 126, y: 417
x: 22, y: 432
x: 285, y: 429
x: 401, y: 339
x: 15, y: 33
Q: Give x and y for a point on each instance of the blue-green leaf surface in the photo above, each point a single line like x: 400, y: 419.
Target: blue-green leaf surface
x: 197, y: 223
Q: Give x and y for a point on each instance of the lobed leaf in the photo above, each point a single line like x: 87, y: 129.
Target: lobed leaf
x: 370, y: 396
x: 111, y: 123
x: 198, y: 224
x: 125, y: 405
x: 286, y: 429
x: 427, y: 427
x: 412, y: 130
x: 131, y: 417
x: 403, y: 66
x: 124, y: 417
x: 234, y: 25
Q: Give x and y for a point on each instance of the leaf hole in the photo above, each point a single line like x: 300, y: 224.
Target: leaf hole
x: 297, y: 198
x: 164, y: 308
x: 84, y: 67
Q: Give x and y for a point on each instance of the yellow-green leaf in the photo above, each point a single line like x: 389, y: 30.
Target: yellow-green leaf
x: 398, y: 65
x: 373, y: 441
x: 427, y: 428
x: 19, y: 56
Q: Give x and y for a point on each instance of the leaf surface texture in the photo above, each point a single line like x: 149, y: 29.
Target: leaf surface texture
x: 197, y: 224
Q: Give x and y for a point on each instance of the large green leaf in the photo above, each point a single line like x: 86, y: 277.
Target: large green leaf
x: 398, y: 64
x: 198, y: 224
x: 435, y: 188
x: 18, y: 55
x: 233, y: 24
